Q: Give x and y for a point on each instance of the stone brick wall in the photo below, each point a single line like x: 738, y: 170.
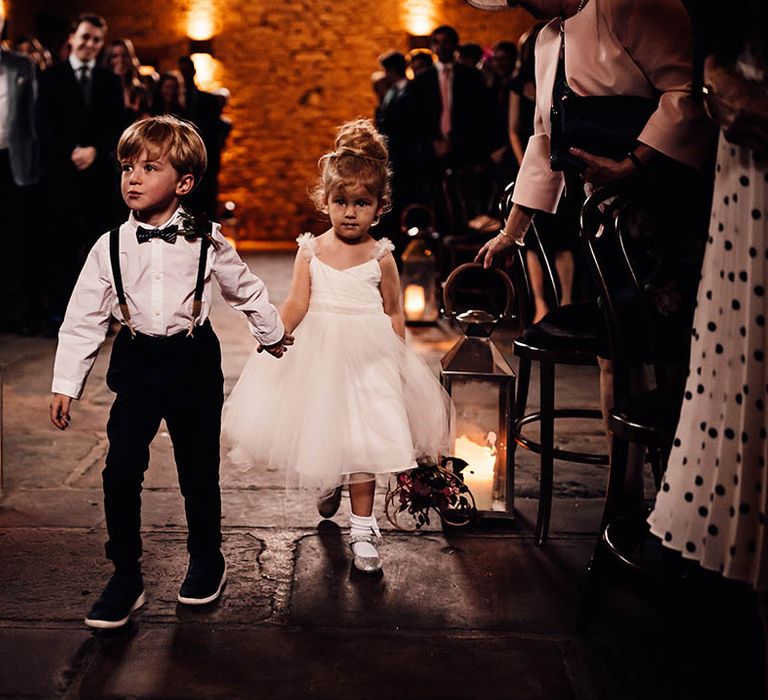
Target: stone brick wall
x: 295, y: 69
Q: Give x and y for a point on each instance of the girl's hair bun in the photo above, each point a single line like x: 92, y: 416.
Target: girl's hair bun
x: 360, y: 156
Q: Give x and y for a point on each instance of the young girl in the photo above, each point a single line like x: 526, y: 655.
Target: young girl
x: 350, y: 401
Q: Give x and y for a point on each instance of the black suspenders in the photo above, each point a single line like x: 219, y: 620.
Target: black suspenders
x: 114, y: 259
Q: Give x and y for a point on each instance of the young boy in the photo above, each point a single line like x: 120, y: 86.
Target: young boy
x: 154, y: 275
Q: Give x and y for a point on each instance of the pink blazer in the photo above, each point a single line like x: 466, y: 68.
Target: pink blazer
x: 618, y: 47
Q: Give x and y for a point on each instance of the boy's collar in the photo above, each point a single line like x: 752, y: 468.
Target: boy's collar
x: 133, y: 222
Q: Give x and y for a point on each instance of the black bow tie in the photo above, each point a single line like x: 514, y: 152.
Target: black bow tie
x: 168, y: 234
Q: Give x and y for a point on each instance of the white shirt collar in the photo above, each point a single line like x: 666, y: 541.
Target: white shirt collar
x: 400, y: 84
x: 76, y: 63
x: 134, y: 223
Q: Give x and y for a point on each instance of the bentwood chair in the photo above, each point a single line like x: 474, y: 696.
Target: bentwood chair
x: 568, y: 335
x: 647, y: 418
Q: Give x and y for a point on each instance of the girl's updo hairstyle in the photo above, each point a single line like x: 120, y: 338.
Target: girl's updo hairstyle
x: 359, y: 156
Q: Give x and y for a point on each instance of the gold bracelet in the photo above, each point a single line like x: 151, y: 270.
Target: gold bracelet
x: 512, y: 238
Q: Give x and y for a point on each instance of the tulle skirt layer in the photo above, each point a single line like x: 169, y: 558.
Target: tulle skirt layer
x: 349, y: 401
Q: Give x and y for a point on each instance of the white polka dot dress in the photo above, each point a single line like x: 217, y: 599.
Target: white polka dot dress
x: 712, y: 503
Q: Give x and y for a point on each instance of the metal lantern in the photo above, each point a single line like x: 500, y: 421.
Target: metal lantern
x: 482, y: 385
x: 418, y: 277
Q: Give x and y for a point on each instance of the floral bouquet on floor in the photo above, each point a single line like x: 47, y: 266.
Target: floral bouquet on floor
x: 430, y: 486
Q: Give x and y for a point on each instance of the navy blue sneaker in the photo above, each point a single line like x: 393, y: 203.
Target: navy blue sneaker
x: 123, y: 594
x: 204, y: 581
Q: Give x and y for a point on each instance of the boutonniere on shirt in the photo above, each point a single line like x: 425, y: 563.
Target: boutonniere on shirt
x: 192, y: 227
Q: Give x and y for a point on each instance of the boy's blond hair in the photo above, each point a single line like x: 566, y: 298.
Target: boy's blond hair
x: 163, y: 135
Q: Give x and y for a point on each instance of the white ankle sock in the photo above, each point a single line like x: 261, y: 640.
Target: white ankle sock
x: 360, y: 525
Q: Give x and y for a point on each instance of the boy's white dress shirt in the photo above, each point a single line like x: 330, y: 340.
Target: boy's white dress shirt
x: 159, y: 282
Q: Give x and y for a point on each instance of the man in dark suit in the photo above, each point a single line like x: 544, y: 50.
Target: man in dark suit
x: 452, y: 113
x: 81, y: 111
x: 19, y: 169
x: 392, y: 121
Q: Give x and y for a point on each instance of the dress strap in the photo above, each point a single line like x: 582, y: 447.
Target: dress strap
x: 307, y: 245
x: 383, y: 246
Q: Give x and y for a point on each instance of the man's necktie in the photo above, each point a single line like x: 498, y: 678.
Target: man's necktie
x: 85, y: 84
x: 168, y: 234
x: 446, y: 97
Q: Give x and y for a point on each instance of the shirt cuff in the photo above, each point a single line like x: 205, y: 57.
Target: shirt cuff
x: 271, y: 338
x: 66, y: 387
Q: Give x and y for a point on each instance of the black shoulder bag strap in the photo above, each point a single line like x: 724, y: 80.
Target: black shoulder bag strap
x: 117, y: 276
x: 197, y: 303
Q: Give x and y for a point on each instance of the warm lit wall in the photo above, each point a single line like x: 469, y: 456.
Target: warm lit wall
x: 295, y: 69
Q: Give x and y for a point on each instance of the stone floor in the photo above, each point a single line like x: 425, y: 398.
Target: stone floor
x: 460, y: 614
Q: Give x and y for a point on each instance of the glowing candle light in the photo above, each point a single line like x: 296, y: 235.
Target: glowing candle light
x: 414, y: 301
x: 478, y: 474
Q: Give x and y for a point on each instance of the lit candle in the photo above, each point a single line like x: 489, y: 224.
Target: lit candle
x: 478, y: 474
x: 414, y: 301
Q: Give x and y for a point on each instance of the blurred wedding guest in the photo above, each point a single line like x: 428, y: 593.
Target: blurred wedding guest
x: 204, y: 111
x: 120, y: 58
x: 34, y: 50
x: 380, y: 84
x: 169, y: 95
x: 712, y: 505
x: 420, y: 60
x: 81, y: 117
x: 19, y: 170
x: 471, y: 55
x: 449, y: 109
x: 392, y: 121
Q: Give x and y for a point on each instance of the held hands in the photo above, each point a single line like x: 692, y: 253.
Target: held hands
x: 279, y: 348
x: 603, y: 171
x: 59, y: 411
x: 83, y: 157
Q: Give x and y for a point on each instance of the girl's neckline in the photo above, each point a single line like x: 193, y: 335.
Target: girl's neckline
x: 344, y: 269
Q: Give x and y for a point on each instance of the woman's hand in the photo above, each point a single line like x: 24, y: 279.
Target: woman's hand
x: 497, y: 244
x: 603, y: 171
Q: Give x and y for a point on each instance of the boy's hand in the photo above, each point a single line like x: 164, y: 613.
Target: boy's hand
x: 277, y: 349
x: 60, y: 411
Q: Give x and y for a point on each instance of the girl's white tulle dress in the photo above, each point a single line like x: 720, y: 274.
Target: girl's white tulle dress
x: 349, y: 400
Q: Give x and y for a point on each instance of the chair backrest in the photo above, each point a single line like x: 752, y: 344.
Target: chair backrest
x: 624, y: 304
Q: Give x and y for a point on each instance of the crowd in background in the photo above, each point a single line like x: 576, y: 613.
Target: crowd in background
x: 59, y: 126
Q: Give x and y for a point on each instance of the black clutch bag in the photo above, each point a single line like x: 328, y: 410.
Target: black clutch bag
x: 606, y: 125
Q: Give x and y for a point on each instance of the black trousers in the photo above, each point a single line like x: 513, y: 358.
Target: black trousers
x: 179, y: 379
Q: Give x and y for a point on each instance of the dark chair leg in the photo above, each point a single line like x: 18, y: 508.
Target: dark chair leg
x: 547, y: 384
x: 523, y: 380
x: 521, y: 400
x: 613, y: 499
